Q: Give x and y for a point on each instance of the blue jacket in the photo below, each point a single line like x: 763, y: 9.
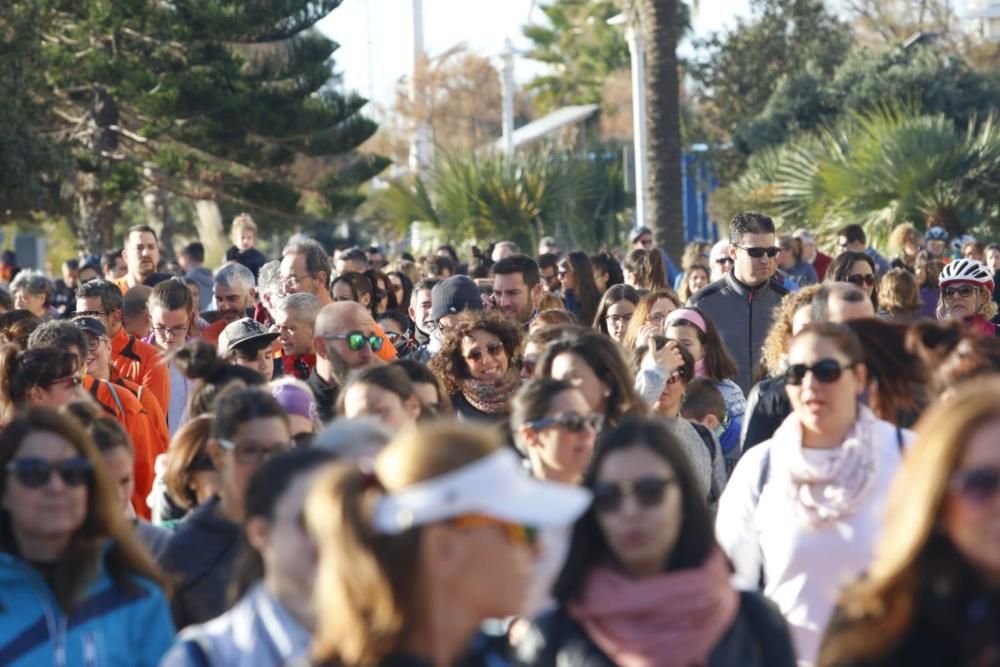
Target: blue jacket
x: 111, y: 627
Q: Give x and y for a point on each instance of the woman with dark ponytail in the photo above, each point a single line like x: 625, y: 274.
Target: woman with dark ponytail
x: 41, y: 376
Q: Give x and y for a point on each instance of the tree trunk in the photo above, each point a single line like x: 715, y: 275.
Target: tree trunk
x: 664, y: 196
x: 95, y: 227
x: 159, y: 217
x: 210, y: 230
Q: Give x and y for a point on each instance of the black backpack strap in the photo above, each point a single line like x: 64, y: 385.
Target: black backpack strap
x: 706, y: 436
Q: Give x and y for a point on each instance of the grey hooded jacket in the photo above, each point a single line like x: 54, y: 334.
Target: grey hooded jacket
x: 743, y: 316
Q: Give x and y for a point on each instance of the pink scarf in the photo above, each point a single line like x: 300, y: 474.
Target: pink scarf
x: 669, y: 620
x: 700, y: 370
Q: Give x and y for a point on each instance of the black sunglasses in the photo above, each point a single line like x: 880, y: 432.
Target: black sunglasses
x: 757, y: 253
x: 964, y: 291
x: 861, y: 280
x: 36, y: 473
x: 571, y: 423
x: 724, y: 260
x: 980, y: 485
x: 825, y: 370
x: 648, y: 492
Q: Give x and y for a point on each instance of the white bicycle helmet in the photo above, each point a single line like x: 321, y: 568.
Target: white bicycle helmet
x: 966, y: 272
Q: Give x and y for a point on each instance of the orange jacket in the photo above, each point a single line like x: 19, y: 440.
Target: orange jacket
x: 154, y: 413
x: 123, y: 405
x: 210, y: 334
x: 142, y: 364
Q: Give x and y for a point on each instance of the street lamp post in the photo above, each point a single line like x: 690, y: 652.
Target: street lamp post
x: 507, y: 81
x: 637, y: 52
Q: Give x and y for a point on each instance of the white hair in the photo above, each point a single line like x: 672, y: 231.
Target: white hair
x: 234, y: 276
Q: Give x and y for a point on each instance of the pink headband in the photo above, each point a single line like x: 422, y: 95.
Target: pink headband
x: 692, y: 316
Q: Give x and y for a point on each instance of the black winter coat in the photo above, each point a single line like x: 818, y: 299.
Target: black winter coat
x: 767, y: 408
x: 757, y: 638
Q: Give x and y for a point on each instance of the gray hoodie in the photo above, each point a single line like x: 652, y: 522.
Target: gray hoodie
x: 203, y: 277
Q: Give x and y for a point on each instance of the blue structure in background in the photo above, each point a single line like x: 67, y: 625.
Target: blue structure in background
x: 697, y: 183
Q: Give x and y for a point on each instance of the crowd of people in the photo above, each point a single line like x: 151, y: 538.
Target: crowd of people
x: 772, y: 456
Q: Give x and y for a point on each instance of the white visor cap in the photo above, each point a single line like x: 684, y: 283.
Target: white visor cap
x: 496, y: 486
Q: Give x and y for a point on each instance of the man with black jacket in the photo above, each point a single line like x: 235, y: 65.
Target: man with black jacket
x: 742, y: 303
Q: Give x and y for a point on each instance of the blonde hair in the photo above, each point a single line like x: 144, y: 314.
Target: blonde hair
x: 366, y: 583
x: 902, y: 234
x: 780, y: 334
x: 642, y: 310
x: 898, y: 292
x: 875, y: 612
x: 242, y: 222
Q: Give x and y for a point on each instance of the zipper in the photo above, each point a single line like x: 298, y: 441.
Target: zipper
x: 750, y: 370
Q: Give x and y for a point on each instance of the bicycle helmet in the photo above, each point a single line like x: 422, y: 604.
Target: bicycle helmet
x: 936, y: 234
x: 966, y: 272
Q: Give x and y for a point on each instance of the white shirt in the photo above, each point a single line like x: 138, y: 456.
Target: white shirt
x: 804, y: 568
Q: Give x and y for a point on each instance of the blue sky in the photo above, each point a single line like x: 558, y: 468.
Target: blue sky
x: 482, y: 25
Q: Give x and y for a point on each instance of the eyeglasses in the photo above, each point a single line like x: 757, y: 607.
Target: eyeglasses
x: 253, y: 454
x: 619, y: 319
x: 657, y: 318
x: 725, y: 260
x: 516, y: 533
x: 357, y: 340
x: 647, y: 491
x: 495, y: 349
x: 980, y: 485
x: 757, y: 253
x: 293, y: 280
x: 393, y: 336
x: 964, y: 291
x: 861, y: 279
x: 570, y: 423
x: 825, y: 370
x: 36, y: 473
x: 562, y: 272
x: 173, y: 332
x: 676, y: 376
x: 71, y: 382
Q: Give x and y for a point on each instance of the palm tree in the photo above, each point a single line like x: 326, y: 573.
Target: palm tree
x: 662, y: 22
x: 880, y: 168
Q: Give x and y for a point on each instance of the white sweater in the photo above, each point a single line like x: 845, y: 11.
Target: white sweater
x: 804, y: 568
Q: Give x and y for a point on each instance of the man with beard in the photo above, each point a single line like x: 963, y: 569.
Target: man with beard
x: 345, y: 341
x: 423, y: 322
x: 516, y: 288
x: 142, y: 255
x: 233, y: 286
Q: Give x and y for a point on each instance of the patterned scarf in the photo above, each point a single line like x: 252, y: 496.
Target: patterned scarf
x: 492, y: 397
x: 827, y: 491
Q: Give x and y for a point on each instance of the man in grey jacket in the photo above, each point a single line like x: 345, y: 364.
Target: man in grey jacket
x: 741, y: 304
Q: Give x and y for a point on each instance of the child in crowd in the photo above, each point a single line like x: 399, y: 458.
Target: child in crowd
x: 703, y: 404
x: 243, y: 234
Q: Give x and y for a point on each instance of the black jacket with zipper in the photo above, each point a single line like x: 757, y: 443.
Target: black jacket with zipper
x: 743, y: 316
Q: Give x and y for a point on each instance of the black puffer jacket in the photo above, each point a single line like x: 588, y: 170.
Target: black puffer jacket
x: 757, y: 638
x: 767, y: 408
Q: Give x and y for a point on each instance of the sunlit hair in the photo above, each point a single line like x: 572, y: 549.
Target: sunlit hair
x: 586, y: 292
x: 104, y: 523
x: 896, y: 377
x: 780, y: 333
x: 642, y: 310
x: 366, y: 591
x: 613, y: 295
x: 693, y: 254
x: 646, y: 267
x: 903, y: 234
x: 987, y: 306
x: 552, y: 303
x: 912, y: 550
x: 449, y: 364
x: 188, y: 447
x: 686, y: 292
x: 898, y: 293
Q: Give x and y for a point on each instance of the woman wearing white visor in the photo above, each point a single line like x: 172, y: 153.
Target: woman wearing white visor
x: 415, y: 555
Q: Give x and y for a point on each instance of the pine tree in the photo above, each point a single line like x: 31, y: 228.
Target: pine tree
x: 216, y: 100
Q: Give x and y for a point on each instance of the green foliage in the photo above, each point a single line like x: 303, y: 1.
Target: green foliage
x: 580, y: 48
x: 488, y: 197
x: 880, y: 168
x: 784, y: 38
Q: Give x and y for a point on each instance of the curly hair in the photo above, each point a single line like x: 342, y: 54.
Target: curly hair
x: 776, y: 343
x: 899, y: 293
x: 449, y: 364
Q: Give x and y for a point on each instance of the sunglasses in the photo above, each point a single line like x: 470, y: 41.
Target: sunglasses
x: 570, y: 423
x: 357, y: 340
x: 71, y: 381
x: 494, y: 349
x: 861, y: 280
x: 676, y: 376
x: 724, y: 260
x: 825, y: 370
x: 647, y: 491
x: 964, y: 291
x: 979, y: 485
x: 516, y: 533
x: 36, y: 473
x: 757, y: 253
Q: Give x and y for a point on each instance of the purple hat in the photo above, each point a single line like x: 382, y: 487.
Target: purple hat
x: 295, y: 399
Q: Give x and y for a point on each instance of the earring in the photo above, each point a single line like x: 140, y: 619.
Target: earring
x: 607, y: 393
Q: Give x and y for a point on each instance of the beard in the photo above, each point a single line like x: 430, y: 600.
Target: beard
x: 341, y: 370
